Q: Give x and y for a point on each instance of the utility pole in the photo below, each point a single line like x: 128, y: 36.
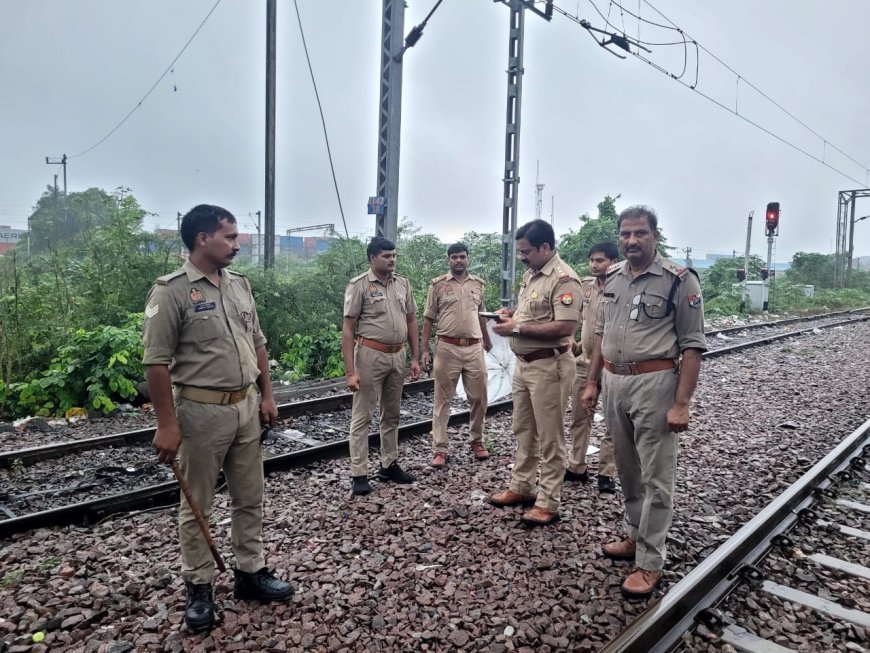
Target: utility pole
x: 552, y: 211
x: 745, y: 291
x: 259, y: 238
x: 271, y: 56
x: 511, y: 178
x: 61, y: 161
x: 688, y: 251
x: 539, y: 193
x: 178, y: 222
x: 389, y: 121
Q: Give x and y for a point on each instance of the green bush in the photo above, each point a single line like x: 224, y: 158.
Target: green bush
x: 317, y: 355
x: 95, y: 370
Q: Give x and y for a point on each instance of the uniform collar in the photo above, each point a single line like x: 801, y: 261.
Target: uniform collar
x: 193, y: 272
x: 549, y: 266
x: 373, y: 277
x: 654, y: 268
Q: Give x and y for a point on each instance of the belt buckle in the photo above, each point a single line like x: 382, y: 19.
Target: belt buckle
x: 622, y: 368
x: 463, y: 342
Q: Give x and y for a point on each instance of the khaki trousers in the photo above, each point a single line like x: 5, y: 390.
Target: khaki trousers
x: 540, y: 392
x: 451, y: 362
x: 581, y: 426
x: 636, y: 410
x: 214, y: 436
x: 381, y: 378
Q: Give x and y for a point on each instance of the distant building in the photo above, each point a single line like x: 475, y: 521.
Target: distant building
x: 10, y: 237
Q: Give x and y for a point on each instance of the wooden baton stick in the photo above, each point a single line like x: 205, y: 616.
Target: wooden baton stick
x: 203, y: 527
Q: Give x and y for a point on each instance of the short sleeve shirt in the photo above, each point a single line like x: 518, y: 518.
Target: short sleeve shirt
x: 591, y: 293
x: 207, y: 335
x: 454, y: 305
x: 634, y: 321
x: 381, y: 309
x: 547, y: 295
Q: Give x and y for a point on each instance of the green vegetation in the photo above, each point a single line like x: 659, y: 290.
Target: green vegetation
x: 70, y: 310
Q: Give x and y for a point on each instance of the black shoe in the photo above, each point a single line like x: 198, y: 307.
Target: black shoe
x: 361, y: 485
x: 577, y: 477
x: 395, y: 473
x: 606, y: 484
x: 199, y: 614
x: 261, y: 585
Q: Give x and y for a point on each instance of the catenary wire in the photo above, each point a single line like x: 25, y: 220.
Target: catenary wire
x: 693, y: 87
x: 762, y: 93
x: 150, y: 90
x: 322, y: 119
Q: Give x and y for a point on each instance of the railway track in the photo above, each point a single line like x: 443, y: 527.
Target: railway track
x: 736, y: 572
x: 112, y: 476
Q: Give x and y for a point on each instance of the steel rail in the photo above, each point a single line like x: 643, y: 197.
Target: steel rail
x: 90, y: 511
x: 30, y: 455
x: 164, y: 494
x: 661, y: 626
x: 784, y: 322
x: 140, y: 436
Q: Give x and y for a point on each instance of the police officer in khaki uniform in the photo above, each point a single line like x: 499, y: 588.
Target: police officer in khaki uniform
x: 453, y: 302
x: 649, y: 339
x: 601, y: 257
x: 201, y: 333
x: 379, y: 318
x: 541, y: 327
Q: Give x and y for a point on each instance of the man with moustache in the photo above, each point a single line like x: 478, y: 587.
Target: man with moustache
x: 601, y: 257
x: 202, y: 334
x: 453, y: 302
x: 541, y: 327
x: 649, y: 339
x: 379, y: 318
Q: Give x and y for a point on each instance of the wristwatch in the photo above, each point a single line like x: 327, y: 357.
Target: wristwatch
x: 516, y: 329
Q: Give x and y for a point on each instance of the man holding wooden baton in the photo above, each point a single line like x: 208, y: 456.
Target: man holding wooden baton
x: 201, y: 334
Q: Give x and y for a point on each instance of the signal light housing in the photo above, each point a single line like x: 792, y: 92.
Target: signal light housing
x: 741, y: 274
x: 771, y: 219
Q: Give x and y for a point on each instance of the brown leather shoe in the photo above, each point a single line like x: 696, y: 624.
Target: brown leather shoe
x: 439, y: 459
x: 539, y: 517
x: 510, y: 498
x: 641, y: 583
x: 621, y: 550
x: 479, y: 451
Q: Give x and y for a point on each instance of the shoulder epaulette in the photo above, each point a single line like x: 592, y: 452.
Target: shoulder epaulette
x: 442, y: 277
x: 587, y: 279
x: 616, y: 267
x: 476, y: 278
x: 678, y: 270
x: 359, y: 276
x: 233, y: 272
x: 166, y: 278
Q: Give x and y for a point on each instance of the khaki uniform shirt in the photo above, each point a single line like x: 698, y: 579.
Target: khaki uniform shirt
x: 548, y: 295
x: 591, y: 293
x: 632, y: 320
x: 381, y: 310
x: 207, y: 335
x: 455, y: 305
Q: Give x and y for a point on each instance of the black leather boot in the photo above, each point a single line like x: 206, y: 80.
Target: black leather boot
x: 361, y: 485
x: 199, y: 614
x: 395, y: 473
x: 261, y: 586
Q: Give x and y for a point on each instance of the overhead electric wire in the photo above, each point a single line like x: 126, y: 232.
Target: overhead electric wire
x: 322, y: 119
x: 733, y: 111
x: 150, y: 90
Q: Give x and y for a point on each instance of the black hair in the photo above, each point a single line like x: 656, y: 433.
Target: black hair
x: 378, y: 245
x: 537, y: 232
x: 202, y: 218
x: 455, y: 248
x: 610, y: 250
x: 641, y: 211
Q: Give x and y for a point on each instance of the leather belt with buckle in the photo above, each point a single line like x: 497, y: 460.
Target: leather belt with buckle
x: 459, y: 342
x: 538, y: 354
x: 206, y: 396
x: 380, y: 346
x: 641, y: 367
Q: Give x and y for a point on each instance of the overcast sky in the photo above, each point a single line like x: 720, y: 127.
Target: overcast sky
x: 69, y: 71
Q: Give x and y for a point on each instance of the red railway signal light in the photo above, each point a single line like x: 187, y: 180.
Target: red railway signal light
x: 771, y: 218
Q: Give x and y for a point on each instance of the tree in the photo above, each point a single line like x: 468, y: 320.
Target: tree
x: 722, y: 275
x: 55, y: 221
x: 812, y: 268
x: 574, y: 246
